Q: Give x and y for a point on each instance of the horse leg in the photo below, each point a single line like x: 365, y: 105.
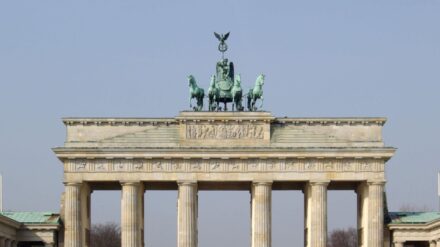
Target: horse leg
x: 262, y: 99
x: 200, y: 103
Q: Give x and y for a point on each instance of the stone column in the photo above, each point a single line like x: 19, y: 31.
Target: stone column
x: 432, y: 243
x: 72, y: 222
x: 438, y: 242
x: 398, y: 244
x: 261, y: 196
x: 362, y: 212
x: 7, y: 243
x: 131, y: 214
x: 86, y: 221
x: 375, y: 213
x: 316, y: 214
x: 187, y: 235
x: 14, y: 244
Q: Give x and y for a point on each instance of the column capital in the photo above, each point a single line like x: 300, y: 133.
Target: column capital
x: 262, y: 182
x: 187, y: 182
x: 398, y: 243
x: 128, y: 183
x: 322, y: 182
x: 49, y: 244
x: 376, y: 182
x: 73, y: 183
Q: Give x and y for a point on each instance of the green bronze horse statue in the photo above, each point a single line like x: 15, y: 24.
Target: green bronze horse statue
x: 195, y: 92
x: 255, y: 94
x: 213, y: 94
x: 237, y: 94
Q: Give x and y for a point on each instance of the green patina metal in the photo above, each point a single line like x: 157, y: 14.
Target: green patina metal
x: 33, y: 217
x: 255, y: 94
x: 225, y: 86
x: 195, y: 92
x: 413, y: 217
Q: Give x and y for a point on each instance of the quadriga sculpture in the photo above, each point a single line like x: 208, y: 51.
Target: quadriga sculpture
x: 225, y: 86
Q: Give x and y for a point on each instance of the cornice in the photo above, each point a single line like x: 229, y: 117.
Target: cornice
x: 424, y: 226
x: 118, y: 121
x: 41, y: 226
x: 226, y: 153
x: 333, y: 121
x: 219, y: 117
x: 10, y: 222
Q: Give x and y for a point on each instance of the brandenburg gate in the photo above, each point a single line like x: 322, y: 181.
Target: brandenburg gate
x: 224, y: 150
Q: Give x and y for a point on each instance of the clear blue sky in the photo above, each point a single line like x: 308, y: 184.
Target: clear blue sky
x: 131, y: 58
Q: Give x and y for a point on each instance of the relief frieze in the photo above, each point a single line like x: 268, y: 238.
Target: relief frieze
x: 222, y: 166
x: 224, y: 131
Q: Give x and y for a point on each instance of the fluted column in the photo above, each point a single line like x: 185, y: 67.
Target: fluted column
x: 398, y: 244
x: 375, y: 213
x: 14, y: 244
x: 7, y: 243
x: 438, y: 242
x: 316, y: 214
x: 432, y: 243
x: 72, y: 222
x: 362, y: 212
x: 131, y: 215
x: 187, y: 214
x: 261, y: 214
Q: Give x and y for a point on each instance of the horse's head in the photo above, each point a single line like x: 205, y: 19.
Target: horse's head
x: 237, y: 80
x: 260, y: 80
x: 191, y: 80
x: 212, y: 83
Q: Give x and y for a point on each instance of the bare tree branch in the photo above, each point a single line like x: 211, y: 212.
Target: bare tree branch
x: 342, y: 238
x: 105, y: 235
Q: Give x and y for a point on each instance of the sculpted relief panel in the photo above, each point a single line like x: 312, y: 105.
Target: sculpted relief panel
x: 224, y: 131
x: 223, y: 166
